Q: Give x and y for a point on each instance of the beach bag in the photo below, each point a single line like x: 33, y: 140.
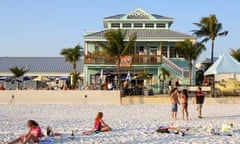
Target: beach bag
x: 162, y: 130
x: 200, y: 99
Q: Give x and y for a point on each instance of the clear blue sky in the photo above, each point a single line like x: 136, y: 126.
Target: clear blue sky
x: 44, y: 27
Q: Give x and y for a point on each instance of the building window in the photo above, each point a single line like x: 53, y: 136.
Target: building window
x: 161, y: 25
x: 172, y: 52
x: 127, y: 25
x: 97, y: 48
x: 138, y: 25
x: 165, y: 51
x: 149, y: 25
x: 115, y: 25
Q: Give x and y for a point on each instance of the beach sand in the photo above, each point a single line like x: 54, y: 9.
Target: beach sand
x: 130, y: 123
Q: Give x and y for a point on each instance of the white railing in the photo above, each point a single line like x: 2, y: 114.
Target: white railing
x: 176, y: 68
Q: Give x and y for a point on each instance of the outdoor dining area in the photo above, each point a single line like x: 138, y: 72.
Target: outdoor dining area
x: 130, y: 83
x: 34, y: 83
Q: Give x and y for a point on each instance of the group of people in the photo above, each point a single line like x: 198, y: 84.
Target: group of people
x: 34, y: 133
x: 182, y: 99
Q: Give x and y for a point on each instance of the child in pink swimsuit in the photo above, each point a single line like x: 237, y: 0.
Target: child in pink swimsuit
x: 33, y: 135
x: 99, y: 124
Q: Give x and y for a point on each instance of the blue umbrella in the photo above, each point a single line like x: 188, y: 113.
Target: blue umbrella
x: 5, y: 78
x: 23, y: 78
x: 64, y: 78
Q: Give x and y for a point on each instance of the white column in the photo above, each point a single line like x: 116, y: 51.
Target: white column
x: 86, y: 47
x: 168, y: 51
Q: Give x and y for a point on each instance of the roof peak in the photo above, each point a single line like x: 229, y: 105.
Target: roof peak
x: 138, y: 13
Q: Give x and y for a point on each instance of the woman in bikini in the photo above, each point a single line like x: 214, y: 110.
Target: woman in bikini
x: 33, y: 135
x: 184, y: 102
x: 99, y: 124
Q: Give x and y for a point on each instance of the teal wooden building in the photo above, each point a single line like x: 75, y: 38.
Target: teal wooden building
x: 154, y: 48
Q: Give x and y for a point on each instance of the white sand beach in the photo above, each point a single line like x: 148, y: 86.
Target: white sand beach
x: 130, y: 123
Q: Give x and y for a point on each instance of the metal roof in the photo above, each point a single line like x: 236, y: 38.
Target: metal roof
x: 147, y: 33
x: 39, y: 64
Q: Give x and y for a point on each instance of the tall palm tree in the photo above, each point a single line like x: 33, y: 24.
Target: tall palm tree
x: 209, y: 29
x: 235, y: 54
x: 190, y: 51
x: 117, y: 45
x: 17, y: 72
x: 72, y: 55
x: 164, y: 74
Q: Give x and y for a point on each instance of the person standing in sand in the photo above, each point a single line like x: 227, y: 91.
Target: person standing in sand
x: 174, y: 101
x: 184, y: 103
x: 199, y: 101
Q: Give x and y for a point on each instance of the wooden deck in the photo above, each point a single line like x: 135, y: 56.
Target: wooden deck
x: 133, y: 59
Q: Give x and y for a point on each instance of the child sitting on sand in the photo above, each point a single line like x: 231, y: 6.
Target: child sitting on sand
x: 33, y: 135
x: 99, y: 124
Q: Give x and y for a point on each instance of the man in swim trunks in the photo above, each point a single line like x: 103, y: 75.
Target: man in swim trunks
x: 174, y: 101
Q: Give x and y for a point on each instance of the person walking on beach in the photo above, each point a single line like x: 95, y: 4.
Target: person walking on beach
x: 99, y: 124
x: 184, y: 103
x: 170, y: 85
x: 33, y: 135
x: 199, y: 101
x: 174, y: 101
x: 177, y: 83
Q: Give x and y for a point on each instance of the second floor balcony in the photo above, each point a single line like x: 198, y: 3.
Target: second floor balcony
x: 125, y: 60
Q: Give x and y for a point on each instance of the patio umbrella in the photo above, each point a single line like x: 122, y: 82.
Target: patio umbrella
x: 63, y: 78
x: 23, y: 78
x: 128, y: 78
x: 41, y: 78
x: 5, y: 78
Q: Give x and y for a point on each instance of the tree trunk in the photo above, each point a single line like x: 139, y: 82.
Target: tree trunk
x: 190, y: 73
x: 212, y: 52
x: 163, y: 87
x: 118, y: 71
x: 75, y: 67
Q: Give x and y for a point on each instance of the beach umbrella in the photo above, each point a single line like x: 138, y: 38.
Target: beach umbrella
x: 41, y: 78
x: 5, y: 78
x: 23, y: 78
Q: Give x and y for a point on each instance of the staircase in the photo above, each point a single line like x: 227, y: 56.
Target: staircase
x: 181, y: 73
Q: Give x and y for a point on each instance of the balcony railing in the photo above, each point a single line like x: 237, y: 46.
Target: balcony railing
x: 132, y: 60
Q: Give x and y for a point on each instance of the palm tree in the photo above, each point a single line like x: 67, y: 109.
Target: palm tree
x: 17, y: 72
x: 72, y: 55
x: 74, y: 79
x: 190, y: 51
x: 209, y: 29
x: 117, y: 45
x: 164, y: 74
x: 235, y: 54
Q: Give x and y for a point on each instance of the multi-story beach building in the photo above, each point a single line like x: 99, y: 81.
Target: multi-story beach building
x: 154, y: 48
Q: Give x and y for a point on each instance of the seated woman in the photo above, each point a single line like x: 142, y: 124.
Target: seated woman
x: 99, y: 124
x: 33, y: 135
